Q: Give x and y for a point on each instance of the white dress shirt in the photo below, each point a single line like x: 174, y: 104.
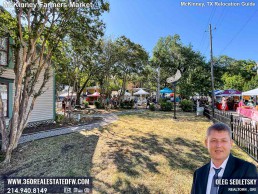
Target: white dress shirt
x: 212, y: 173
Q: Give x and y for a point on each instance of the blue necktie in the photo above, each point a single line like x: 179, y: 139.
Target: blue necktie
x: 214, y: 188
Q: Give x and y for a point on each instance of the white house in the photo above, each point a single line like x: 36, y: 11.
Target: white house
x: 44, y: 108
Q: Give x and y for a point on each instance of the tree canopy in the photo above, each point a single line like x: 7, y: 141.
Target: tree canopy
x: 38, y: 32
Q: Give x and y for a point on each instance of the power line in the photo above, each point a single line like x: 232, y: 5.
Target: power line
x: 212, y: 73
x: 204, y: 33
x: 240, y: 30
x: 221, y: 18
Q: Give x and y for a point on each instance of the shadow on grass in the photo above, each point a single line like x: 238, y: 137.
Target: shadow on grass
x: 135, y: 153
x: 134, y: 156
x: 181, y: 116
x: 66, y: 155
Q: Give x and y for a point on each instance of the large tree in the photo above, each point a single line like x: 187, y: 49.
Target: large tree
x: 232, y: 73
x: 37, y: 32
x: 105, y: 64
x: 132, y: 58
x: 170, y: 54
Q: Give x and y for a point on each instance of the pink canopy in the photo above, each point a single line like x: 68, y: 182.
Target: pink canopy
x: 95, y: 94
x: 230, y: 92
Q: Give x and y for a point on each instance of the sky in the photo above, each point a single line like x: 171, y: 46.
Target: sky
x: 145, y: 21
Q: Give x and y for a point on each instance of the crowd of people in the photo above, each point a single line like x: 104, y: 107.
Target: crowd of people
x: 200, y: 102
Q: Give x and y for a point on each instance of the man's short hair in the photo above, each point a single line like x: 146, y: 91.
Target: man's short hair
x: 219, y: 127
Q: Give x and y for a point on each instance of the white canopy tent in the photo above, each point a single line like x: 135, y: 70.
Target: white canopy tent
x: 66, y: 94
x: 127, y: 94
x: 253, y: 92
x: 140, y: 93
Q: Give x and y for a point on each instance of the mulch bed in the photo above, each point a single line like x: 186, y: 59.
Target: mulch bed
x: 49, y: 126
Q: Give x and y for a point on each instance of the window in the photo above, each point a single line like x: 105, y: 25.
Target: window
x: 3, y: 51
x: 4, y: 94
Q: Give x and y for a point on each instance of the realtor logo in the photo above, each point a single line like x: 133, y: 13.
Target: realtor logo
x: 67, y: 190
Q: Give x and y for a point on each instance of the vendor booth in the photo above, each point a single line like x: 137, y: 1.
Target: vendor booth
x: 93, y: 97
x: 141, y: 93
x: 166, y: 91
x: 249, y: 108
x: 253, y: 92
x: 231, y: 98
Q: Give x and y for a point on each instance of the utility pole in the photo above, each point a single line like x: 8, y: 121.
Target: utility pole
x: 257, y: 67
x: 212, y: 75
x: 158, y: 87
x: 174, y: 84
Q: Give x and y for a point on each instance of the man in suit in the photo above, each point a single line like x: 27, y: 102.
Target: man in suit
x: 219, y: 143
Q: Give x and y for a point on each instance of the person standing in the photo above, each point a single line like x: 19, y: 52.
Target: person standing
x: 223, y: 103
x: 148, y: 103
x: 63, y: 105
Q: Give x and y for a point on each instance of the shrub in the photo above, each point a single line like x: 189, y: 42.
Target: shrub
x: 65, y: 120
x: 86, y: 104
x: 152, y: 107
x: 122, y: 105
x: 98, y: 105
x: 162, y: 100
x: 166, y: 106
x: 186, y: 105
x: 127, y: 104
x: 59, y: 118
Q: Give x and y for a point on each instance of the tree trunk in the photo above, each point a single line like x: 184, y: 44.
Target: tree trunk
x: 8, y: 155
x: 78, y: 96
x: 123, y: 89
x: 158, y: 87
x: 21, y: 112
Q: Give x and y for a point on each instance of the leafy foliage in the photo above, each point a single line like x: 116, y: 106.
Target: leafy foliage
x: 86, y: 104
x: 166, y: 106
x: 38, y: 33
x: 152, y: 107
x: 170, y: 54
x: 252, y: 84
x: 234, y: 81
x: 127, y: 104
x: 98, y: 105
x: 232, y: 73
x: 186, y: 105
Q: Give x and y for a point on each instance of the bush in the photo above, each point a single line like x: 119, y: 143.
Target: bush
x: 166, y: 106
x: 65, y: 120
x: 127, y: 104
x: 98, y: 105
x: 186, y: 105
x: 86, y: 104
x: 163, y: 100
x: 152, y: 107
x: 59, y: 118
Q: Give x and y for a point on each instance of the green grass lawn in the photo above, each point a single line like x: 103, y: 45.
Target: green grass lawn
x: 140, y: 153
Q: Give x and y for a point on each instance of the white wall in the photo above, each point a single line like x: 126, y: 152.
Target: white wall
x: 43, y: 108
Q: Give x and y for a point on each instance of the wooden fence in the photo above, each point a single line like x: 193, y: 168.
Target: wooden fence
x: 244, y: 135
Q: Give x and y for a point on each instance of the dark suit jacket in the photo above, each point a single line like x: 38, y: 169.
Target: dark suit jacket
x: 235, y: 168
